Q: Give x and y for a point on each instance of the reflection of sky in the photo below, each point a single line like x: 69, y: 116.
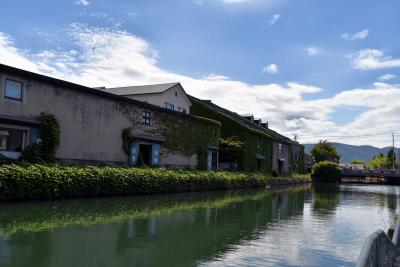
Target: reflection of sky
x: 312, y: 239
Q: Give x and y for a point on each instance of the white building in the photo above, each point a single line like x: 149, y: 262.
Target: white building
x: 168, y: 95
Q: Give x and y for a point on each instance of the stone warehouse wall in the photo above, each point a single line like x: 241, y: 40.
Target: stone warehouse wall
x: 92, y: 124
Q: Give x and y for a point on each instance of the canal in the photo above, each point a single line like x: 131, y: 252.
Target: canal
x: 295, y: 226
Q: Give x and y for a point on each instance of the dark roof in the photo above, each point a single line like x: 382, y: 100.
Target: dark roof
x: 244, y: 121
x: 19, y: 120
x: 93, y: 91
x: 142, y: 89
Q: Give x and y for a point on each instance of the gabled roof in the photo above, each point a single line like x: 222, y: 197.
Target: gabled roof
x: 142, y: 89
x: 273, y: 134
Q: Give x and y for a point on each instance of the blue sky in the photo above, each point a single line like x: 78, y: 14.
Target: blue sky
x: 301, y: 65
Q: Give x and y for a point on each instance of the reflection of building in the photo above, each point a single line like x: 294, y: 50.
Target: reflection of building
x: 220, y: 221
x: 5, y: 250
x: 92, y: 122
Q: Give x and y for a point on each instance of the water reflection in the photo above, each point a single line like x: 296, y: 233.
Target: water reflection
x: 308, y: 226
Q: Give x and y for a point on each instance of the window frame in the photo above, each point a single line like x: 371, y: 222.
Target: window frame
x: 146, y: 118
x: 171, y: 105
x: 182, y: 110
x: 22, y: 144
x: 10, y: 97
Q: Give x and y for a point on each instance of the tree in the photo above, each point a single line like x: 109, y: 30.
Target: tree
x: 378, y: 162
x: 324, y: 151
x: 325, y: 172
x: 357, y: 161
x: 391, y: 158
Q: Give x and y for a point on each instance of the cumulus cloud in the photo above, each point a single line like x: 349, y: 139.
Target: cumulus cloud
x: 105, y: 57
x: 368, y: 59
x: 313, y: 51
x: 356, y: 36
x: 387, y: 77
x: 274, y: 19
x: 271, y: 69
x: 82, y: 2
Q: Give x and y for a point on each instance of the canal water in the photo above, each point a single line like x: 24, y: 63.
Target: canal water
x: 295, y: 226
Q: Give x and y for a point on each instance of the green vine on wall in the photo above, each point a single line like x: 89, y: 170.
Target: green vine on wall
x: 45, y: 150
x: 126, y: 140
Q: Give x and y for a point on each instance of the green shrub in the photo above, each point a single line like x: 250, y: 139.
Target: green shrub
x: 5, y: 160
x: 50, y: 140
x: 326, y: 171
x: 50, y: 182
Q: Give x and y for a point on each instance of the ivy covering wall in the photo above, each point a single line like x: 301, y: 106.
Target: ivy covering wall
x: 184, y: 135
x: 255, y: 142
x: 297, y: 166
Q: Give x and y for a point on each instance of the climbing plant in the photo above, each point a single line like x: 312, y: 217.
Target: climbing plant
x: 184, y: 135
x: 254, y: 141
x: 126, y: 140
x: 45, y: 149
x: 231, y: 149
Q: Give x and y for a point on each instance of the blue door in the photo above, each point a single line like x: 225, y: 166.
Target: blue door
x: 155, y: 154
x: 134, y: 154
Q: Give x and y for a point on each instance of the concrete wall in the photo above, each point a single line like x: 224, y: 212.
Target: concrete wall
x: 91, y: 125
x: 378, y: 250
x: 179, y: 100
x: 285, y: 155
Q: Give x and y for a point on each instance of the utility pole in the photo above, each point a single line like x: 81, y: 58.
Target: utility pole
x: 393, y: 155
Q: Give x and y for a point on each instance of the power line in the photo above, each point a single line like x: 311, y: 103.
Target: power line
x: 348, y: 136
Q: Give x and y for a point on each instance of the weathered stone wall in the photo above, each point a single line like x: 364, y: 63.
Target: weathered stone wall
x: 285, y: 156
x: 91, y: 125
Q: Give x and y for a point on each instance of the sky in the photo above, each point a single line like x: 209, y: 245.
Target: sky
x: 311, y: 68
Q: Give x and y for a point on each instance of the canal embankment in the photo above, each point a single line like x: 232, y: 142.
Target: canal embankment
x: 36, y: 182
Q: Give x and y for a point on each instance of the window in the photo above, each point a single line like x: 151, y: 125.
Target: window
x: 169, y: 106
x: 146, y: 118
x: 13, y: 90
x: 183, y: 110
x: 11, y: 140
x: 176, y: 94
x: 280, y: 150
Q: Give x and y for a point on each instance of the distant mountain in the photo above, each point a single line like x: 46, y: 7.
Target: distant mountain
x: 349, y: 152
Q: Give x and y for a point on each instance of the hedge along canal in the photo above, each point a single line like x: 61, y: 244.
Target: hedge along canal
x: 54, y: 182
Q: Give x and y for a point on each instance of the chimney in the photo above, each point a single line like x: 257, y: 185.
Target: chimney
x: 265, y: 125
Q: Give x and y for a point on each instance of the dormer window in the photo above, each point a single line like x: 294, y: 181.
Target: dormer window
x: 13, y: 90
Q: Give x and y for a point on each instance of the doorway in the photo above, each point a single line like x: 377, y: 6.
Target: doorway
x: 145, y: 154
x: 280, y: 166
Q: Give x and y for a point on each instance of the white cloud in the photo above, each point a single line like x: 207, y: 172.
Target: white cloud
x: 313, y: 51
x: 387, y: 77
x: 82, y: 2
x: 275, y: 18
x: 110, y: 58
x: 271, y: 69
x: 356, y: 36
x: 368, y: 59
